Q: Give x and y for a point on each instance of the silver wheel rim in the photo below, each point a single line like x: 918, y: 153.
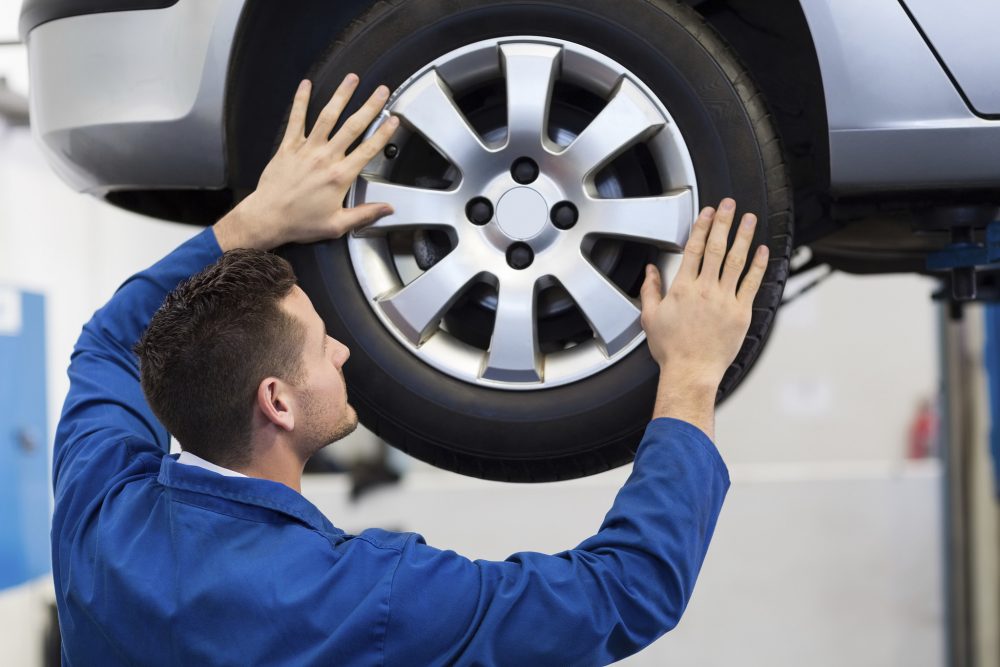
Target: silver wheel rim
x: 412, y: 303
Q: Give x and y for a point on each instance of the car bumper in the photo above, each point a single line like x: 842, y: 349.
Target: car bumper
x: 108, y: 87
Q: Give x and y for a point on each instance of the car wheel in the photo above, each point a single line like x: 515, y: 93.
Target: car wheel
x: 547, y: 152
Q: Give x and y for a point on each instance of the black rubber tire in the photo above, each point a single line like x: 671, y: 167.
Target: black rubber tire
x: 595, y: 424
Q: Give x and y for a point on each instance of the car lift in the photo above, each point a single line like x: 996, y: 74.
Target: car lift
x: 969, y: 354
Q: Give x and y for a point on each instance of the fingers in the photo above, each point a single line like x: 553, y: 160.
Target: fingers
x: 354, y: 126
x: 694, y: 249
x: 349, y: 219
x: 737, y: 257
x: 330, y: 114
x: 718, y: 239
x: 371, y: 147
x: 650, y: 294
x: 295, y: 130
x: 754, y: 277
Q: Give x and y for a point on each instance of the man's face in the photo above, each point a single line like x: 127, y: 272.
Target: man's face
x: 325, y: 414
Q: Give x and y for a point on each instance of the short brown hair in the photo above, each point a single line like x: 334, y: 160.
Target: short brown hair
x: 207, y: 348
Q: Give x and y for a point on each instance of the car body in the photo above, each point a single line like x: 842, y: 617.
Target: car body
x: 906, y: 104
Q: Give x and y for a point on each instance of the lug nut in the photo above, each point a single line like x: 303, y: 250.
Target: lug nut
x: 520, y: 255
x: 479, y: 210
x: 564, y: 215
x: 524, y: 170
x: 391, y: 151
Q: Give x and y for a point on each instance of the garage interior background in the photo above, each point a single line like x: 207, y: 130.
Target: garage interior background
x: 830, y: 550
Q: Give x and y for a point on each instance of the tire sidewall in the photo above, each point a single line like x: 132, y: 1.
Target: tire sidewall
x: 388, y: 384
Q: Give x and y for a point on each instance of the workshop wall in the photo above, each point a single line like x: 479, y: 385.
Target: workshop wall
x: 842, y: 377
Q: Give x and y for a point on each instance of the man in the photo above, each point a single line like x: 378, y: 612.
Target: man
x: 216, y: 558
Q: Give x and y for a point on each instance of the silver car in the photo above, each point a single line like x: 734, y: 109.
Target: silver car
x: 547, y: 151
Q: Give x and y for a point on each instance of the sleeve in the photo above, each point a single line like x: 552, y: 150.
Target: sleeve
x: 608, y: 598
x: 105, y: 406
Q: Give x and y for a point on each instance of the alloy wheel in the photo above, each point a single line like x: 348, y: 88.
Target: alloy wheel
x: 532, y: 179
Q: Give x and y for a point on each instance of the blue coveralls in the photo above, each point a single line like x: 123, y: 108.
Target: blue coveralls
x: 160, y: 563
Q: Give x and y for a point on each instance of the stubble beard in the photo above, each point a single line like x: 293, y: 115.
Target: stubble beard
x: 320, y: 432
x: 344, y: 427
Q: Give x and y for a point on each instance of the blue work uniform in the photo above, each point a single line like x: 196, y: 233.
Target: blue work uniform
x: 161, y: 563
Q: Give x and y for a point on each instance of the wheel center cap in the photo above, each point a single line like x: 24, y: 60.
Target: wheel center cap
x: 521, y: 213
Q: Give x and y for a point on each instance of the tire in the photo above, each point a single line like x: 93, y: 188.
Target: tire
x: 593, y: 424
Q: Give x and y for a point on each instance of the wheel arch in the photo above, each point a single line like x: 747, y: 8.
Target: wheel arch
x: 776, y: 45
x: 774, y: 42
x: 278, y: 47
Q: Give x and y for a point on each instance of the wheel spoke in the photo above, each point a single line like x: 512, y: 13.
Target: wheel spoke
x: 413, y: 207
x: 664, y: 221
x: 417, y: 308
x: 513, y: 355
x: 428, y: 108
x: 530, y: 71
x: 611, y: 314
x: 626, y: 119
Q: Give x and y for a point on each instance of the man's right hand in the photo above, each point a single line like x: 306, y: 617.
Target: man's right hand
x: 300, y: 195
x: 695, y: 331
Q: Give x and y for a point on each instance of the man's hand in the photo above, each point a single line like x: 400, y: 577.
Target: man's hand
x: 695, y: 331
x: 300, y: 195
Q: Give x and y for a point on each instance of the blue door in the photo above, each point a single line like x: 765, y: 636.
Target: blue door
x: 992, y: 362
x: 24, y: 468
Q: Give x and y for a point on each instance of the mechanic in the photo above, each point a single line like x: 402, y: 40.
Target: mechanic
x: 216, y: 558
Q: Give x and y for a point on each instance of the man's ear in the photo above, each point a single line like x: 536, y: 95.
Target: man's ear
x: 274, y: 400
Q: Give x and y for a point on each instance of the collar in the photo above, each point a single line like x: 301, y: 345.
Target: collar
x: 206, y: 488
x: 187, y: 458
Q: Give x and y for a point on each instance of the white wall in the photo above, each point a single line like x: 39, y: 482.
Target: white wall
x: 841, y: 376
x: 73, y: 249
x: 9, y: 11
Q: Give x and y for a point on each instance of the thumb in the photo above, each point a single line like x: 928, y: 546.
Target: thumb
x: 349, y: 219
x: 651, y: 292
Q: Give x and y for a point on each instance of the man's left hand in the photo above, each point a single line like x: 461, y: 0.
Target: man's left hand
x: 300, y: 195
